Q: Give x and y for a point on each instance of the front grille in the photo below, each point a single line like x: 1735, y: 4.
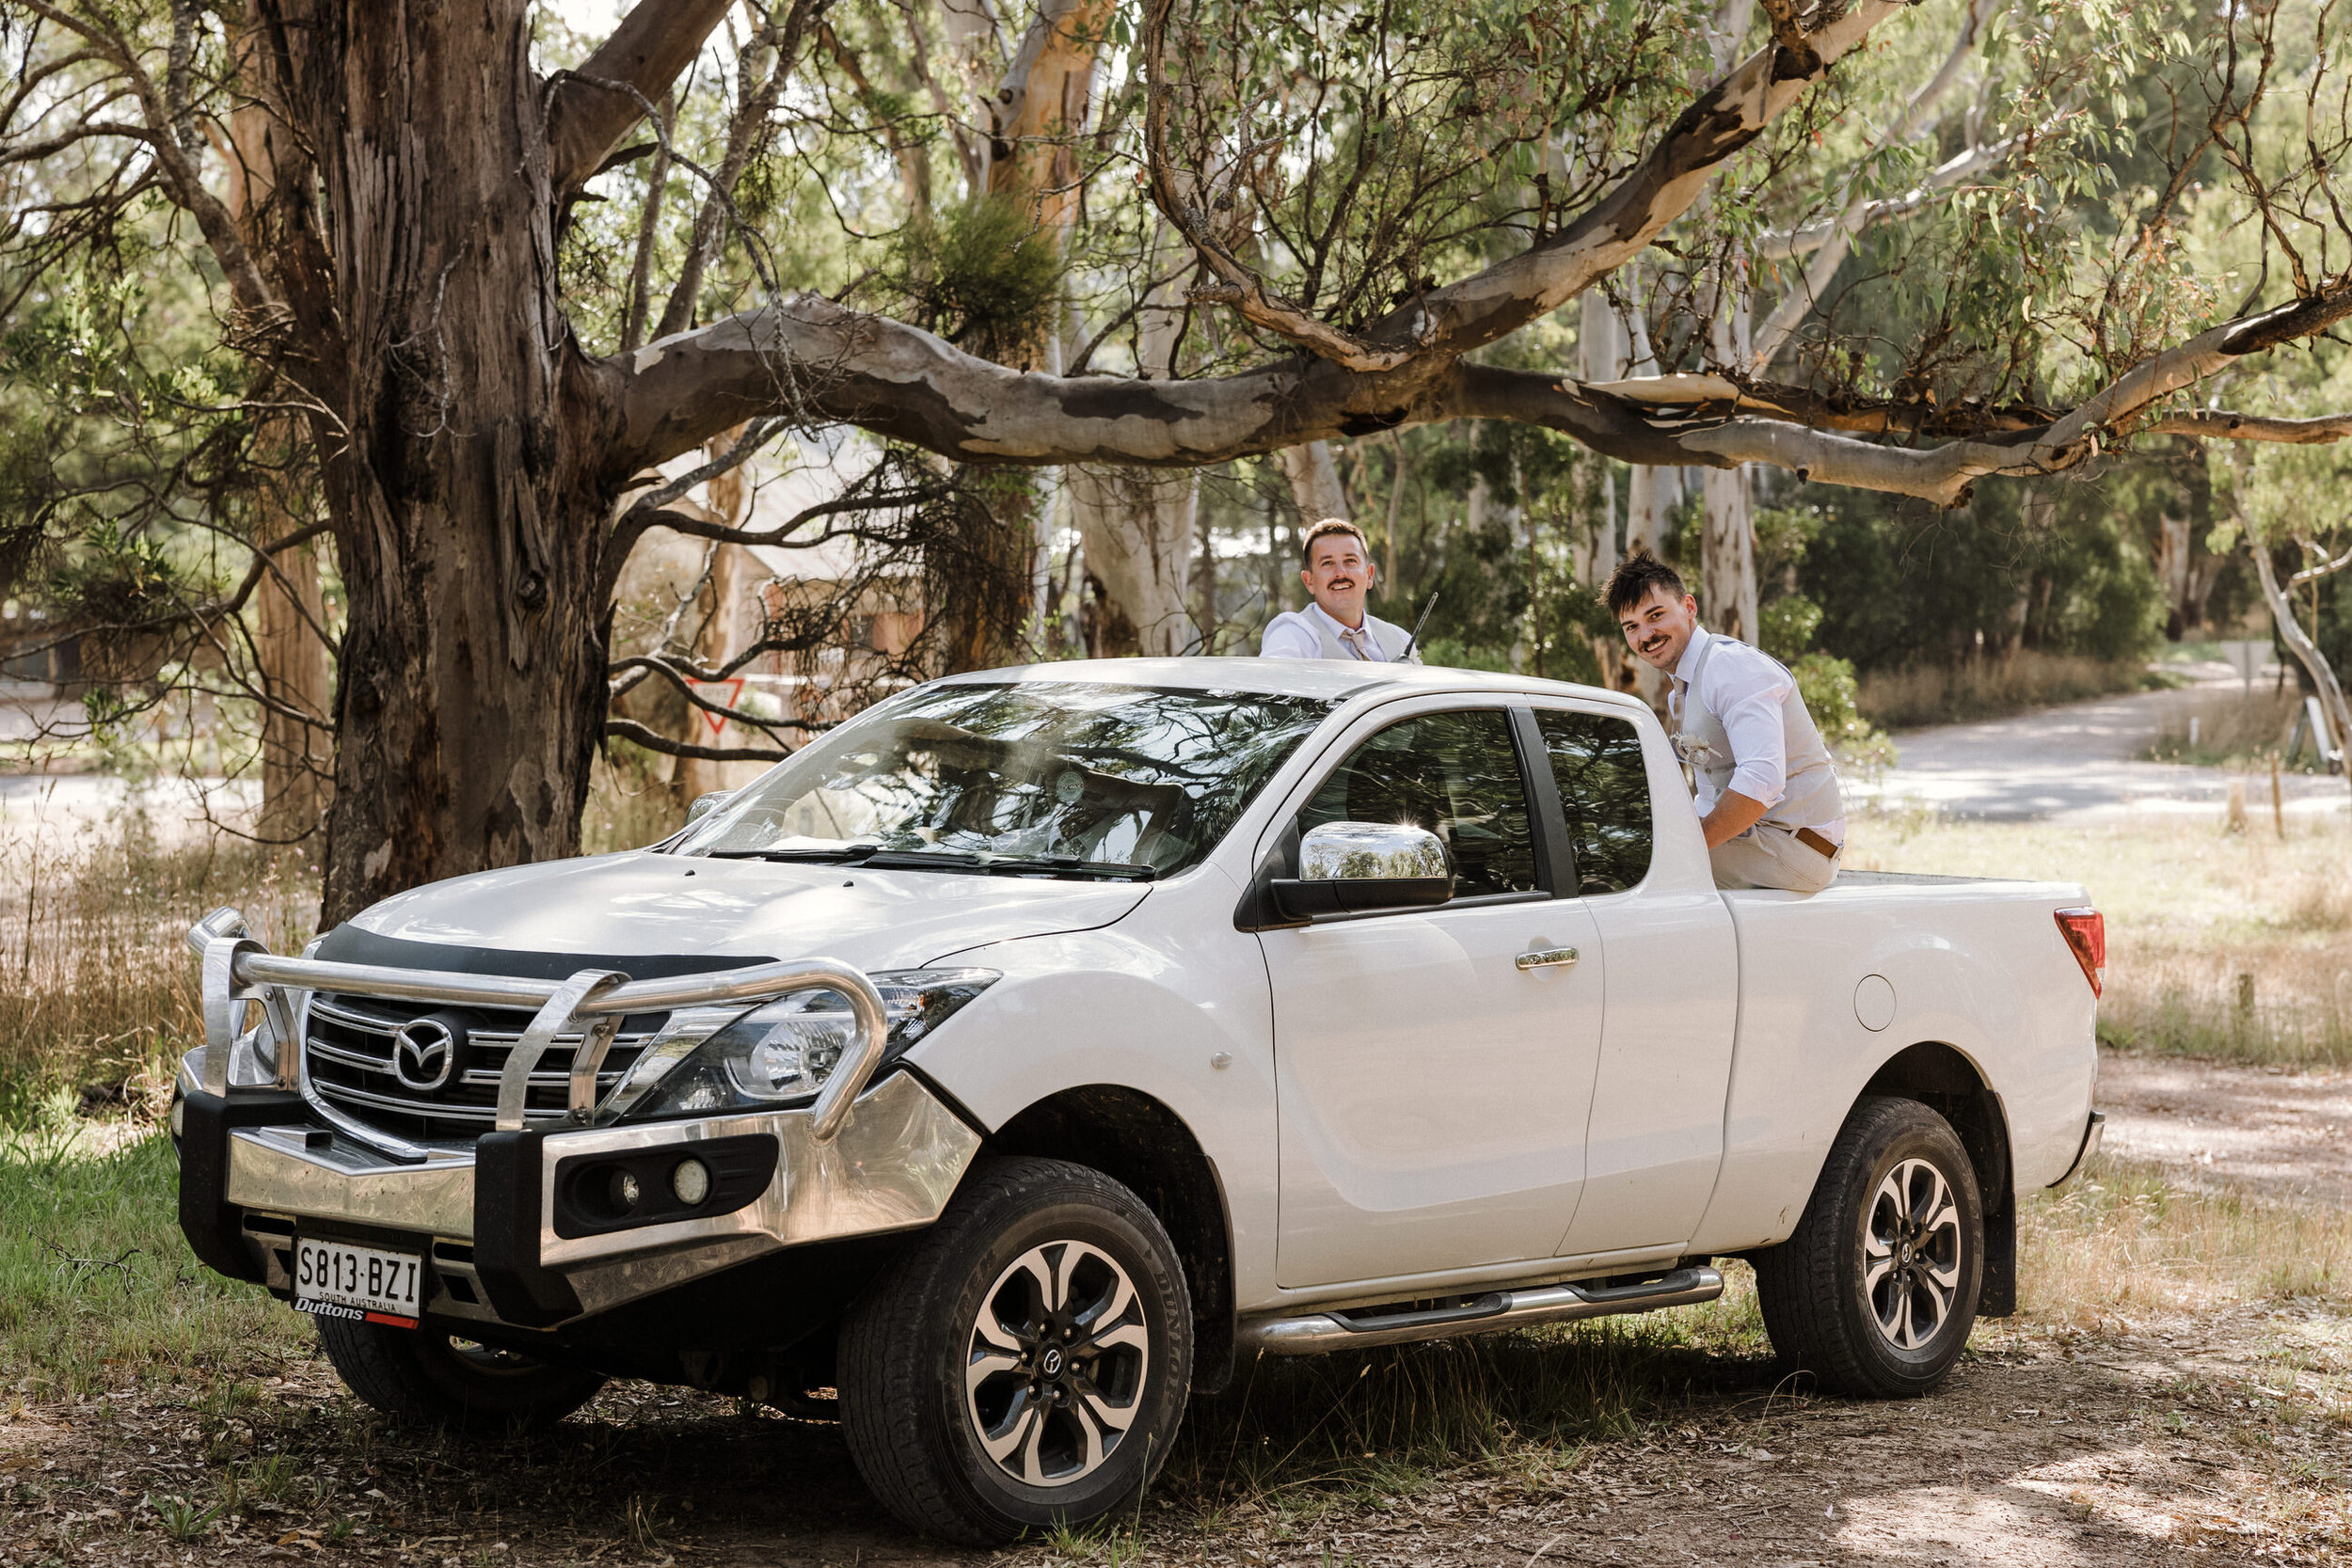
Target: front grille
x: 348, y: 1044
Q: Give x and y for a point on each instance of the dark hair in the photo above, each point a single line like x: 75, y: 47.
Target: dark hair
x: 1635, y: 576
x: 1324, y: 529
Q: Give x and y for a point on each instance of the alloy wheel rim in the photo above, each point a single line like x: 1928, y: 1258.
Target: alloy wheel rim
x: 1055, y: 1366
x: 1910, y: 1255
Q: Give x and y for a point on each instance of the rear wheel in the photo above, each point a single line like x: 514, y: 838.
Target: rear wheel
x: 424, y: 1375
x: 1025, y: 1363
x: 1877, y: 1291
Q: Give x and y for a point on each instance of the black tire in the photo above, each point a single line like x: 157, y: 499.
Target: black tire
x: 1041, y: 1246
x: 1877, y: 1291
x: 419, y: 1374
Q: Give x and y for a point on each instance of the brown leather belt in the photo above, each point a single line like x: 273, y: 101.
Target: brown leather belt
x: 1816, y: 843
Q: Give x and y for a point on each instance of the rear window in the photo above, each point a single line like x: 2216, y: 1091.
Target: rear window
x: 1604, y: 792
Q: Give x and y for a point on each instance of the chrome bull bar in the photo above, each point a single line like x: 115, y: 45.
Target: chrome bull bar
x: 239, y: 971
x: 251, y: 1149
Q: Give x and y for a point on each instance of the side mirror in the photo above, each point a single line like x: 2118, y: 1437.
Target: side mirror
x: 1350, y: 866
x: 705, y: 805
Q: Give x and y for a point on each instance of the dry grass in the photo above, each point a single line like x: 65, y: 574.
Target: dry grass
x: 1990, y: 688
x: 96, y: 986
x: 2235, y: 946
x: 2233, y: 725
x: 2124, y: 1239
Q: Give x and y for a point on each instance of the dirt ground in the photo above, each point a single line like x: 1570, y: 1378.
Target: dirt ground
x: 2284, y: 1134
x: 2216, y: 1435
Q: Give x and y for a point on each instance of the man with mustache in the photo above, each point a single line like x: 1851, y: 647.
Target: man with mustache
x: 1337, y: 574
x: 1767, y: 789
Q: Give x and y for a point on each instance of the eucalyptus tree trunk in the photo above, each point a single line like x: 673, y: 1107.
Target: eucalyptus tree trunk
x: 727, y: 589
x: 470, y: 476
x: 294, y: 667
x: 1314, y: 482
x: 1137, y: 528
x: 1727, y: 534
x: 1041, y: 102
x: 295, y: 677
x: 2299, y: 643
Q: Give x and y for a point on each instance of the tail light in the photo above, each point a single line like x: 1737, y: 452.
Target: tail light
x: 2086, y: 932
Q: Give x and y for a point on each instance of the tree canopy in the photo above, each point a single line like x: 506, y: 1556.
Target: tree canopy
x: 475, y: 302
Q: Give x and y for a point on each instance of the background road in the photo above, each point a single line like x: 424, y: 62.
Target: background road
x: 2076, y: 761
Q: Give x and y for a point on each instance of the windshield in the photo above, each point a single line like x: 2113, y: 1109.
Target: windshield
x: 1048, y: 777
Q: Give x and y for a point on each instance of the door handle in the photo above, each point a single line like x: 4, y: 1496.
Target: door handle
x: 1547, y: 958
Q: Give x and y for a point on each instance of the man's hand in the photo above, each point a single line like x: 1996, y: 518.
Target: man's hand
x: 1734, y: 815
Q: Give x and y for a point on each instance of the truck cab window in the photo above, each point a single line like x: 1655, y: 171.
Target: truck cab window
x: 1455, y: 775
x: 1604, y: 792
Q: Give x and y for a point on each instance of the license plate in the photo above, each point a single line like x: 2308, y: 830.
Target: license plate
x: 335, y: 1279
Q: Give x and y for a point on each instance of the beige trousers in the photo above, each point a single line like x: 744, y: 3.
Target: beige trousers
x: 1766, y: 856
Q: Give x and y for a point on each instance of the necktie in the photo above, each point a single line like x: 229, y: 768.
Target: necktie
x: 1354, y: 640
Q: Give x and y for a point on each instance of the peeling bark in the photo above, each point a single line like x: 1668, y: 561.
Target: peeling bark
x: 470, y: 493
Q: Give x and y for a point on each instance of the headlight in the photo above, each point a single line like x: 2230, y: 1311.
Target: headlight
x: 781, y: 1054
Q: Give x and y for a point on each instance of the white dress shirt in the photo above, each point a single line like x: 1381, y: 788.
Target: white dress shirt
x: 1745, y: 687
x: 1293, y: 635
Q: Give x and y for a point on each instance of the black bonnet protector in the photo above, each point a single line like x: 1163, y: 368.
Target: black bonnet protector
x: 350, y: 944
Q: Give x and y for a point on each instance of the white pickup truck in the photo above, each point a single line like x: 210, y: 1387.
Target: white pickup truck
x: 1019, y: 1055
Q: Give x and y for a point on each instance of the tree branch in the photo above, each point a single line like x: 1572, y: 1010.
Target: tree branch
x: 1773, y: 333
x: 1787, y: 244
x: 630, y: 729
x: 2221, y: 424
x: 2325, y: 569
x: 744, y: 130
x: 1504, y: 297
x: 586, y: 120
x: 828, y: 363
x: 177, y: 166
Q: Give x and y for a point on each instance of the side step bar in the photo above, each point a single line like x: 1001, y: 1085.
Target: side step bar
x: 1320, y: 1331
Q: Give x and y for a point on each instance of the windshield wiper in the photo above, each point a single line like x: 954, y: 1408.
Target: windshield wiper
x: 987, y: 862
x: 991, y: 863
x: 1069, y: 866
x: 849, y: 854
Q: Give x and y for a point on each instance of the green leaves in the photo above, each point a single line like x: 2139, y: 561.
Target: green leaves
x: 982, y: 275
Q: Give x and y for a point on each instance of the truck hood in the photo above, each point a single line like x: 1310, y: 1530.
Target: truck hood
x: 615, y: 908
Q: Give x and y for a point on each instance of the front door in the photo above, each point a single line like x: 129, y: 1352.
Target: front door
x: 1432, y: 1094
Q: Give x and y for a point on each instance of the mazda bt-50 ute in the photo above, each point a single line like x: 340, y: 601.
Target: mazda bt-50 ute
x: 1024, y: 1053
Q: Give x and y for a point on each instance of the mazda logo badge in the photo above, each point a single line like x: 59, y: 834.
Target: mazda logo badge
x: 424, y: 1054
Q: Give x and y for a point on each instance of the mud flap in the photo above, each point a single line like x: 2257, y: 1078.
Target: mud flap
x: 1998, y: 1297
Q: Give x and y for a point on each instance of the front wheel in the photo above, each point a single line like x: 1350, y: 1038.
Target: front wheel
x: 1025, y: 1363
x: 1877, y: 1291
x: 425, y: 1375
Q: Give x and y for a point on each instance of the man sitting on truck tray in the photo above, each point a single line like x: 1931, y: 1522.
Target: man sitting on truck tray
x: 1338, y: 575
x: 1767, y: 790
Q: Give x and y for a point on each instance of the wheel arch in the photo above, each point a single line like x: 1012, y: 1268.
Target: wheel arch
x: 1945, y: 1080
x: 1140, y: 1143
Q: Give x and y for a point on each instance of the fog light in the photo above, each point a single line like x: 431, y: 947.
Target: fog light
x: 690, y: 1181
x: 624, y: 1191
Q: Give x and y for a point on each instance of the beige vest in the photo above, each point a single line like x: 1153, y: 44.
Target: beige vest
x: 1810, y: 795
x: 1388, y: 638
